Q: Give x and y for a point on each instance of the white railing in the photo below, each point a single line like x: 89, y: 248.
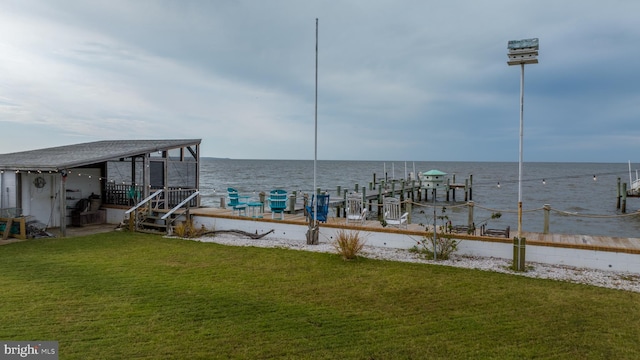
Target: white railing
x: 175, y: 208
x: 146, y: 200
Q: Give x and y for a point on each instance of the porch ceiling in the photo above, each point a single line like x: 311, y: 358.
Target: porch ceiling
x: 70, y: 156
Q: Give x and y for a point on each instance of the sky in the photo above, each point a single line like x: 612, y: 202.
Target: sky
x: 396, y: 80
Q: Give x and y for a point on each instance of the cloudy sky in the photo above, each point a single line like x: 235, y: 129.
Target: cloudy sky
x: 397, y: 80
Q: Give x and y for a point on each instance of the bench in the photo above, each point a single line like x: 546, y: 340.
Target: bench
x: 494, y: 232
x: 462, y: 229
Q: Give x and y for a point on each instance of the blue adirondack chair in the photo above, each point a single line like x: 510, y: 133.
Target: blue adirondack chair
x: 278, y: 202
x: 236, y: 202
x: 322, y: 207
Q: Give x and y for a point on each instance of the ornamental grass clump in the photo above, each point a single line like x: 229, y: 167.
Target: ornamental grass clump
x: 349, y: 244
x: 187, y: 229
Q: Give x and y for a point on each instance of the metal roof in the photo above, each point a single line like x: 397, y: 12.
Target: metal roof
x: 70, y: 156
x: 434, y: 173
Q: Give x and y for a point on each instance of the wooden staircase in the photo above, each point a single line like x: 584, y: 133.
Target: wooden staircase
x: 154, y: 223
x: 147, y: 217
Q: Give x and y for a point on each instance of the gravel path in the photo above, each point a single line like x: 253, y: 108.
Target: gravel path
x: 608, y: 279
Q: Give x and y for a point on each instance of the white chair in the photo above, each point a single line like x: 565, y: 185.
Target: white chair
x: 356, y: 211
x: 393, y: 213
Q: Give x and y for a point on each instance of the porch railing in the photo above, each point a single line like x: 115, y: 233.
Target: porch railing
x: 130, y: 195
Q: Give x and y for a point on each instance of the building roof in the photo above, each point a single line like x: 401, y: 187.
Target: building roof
x: 434, y: 173
x: 70, y: 156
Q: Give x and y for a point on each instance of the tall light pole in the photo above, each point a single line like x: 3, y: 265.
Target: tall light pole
x: 521, y: 52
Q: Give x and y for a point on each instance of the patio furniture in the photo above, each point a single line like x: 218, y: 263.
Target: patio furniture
x: 320, y: 208
x: 236, y: 202
x: 393, y: 213
x: 255, y: 209
x: 355, y: 209
x: 278, y: 202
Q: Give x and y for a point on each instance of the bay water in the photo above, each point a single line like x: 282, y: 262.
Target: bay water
x: 582, y: 196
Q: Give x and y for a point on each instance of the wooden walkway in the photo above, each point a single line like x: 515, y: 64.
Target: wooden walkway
x: 589, y: 242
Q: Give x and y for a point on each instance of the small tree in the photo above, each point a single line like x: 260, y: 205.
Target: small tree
x: 440, y: 244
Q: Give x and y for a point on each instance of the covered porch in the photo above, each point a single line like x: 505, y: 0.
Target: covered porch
x: 79, y: 184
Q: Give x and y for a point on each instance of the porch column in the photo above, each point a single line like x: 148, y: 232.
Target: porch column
x: 146, y: 176
x: 63, y: 203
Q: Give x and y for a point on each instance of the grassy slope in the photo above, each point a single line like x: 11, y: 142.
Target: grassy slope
x: 123, y: 295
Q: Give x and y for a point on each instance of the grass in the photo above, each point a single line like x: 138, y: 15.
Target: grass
x: 138, y: 296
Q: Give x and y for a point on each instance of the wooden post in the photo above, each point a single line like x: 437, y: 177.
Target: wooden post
x: 374, y: 181
x: 470, y: 187
x: 624, y: 198
x: 292, y: 203
x: 402, y: 190
x: 547, y: 209
x: 379, y: 203
x: 466, y: 190
x: 63, y: 203
x: 470, y: 205
x: 619, y: 194
x: 340, y: 207
x: 414, y: 190
x: 454, y: 188
x: 364, y: 197
x: 519, y: 252
x: 408, y: 210
x: 449, y: 187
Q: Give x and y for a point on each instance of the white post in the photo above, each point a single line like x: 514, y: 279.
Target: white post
x: 315, y: 151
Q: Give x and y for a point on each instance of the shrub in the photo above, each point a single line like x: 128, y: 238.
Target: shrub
x: 348, y: 244
x: 443, y: 245
x: 186, y: 229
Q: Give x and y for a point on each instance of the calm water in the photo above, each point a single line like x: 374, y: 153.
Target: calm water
x: 568, y: 187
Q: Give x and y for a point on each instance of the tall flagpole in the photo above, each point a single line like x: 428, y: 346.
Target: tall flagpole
x: 315, y: 154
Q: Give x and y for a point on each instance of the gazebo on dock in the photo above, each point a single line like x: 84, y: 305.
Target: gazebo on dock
x: 107, y: 176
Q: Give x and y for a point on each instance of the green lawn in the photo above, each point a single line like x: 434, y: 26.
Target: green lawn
x: 137, y: 296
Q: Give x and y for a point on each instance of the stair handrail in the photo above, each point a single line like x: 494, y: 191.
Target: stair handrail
x: 165, y: 216
x: 146, y: 200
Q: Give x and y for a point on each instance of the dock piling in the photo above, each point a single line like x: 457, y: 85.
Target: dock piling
x: 547, y: 210
x: 618, y: 195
